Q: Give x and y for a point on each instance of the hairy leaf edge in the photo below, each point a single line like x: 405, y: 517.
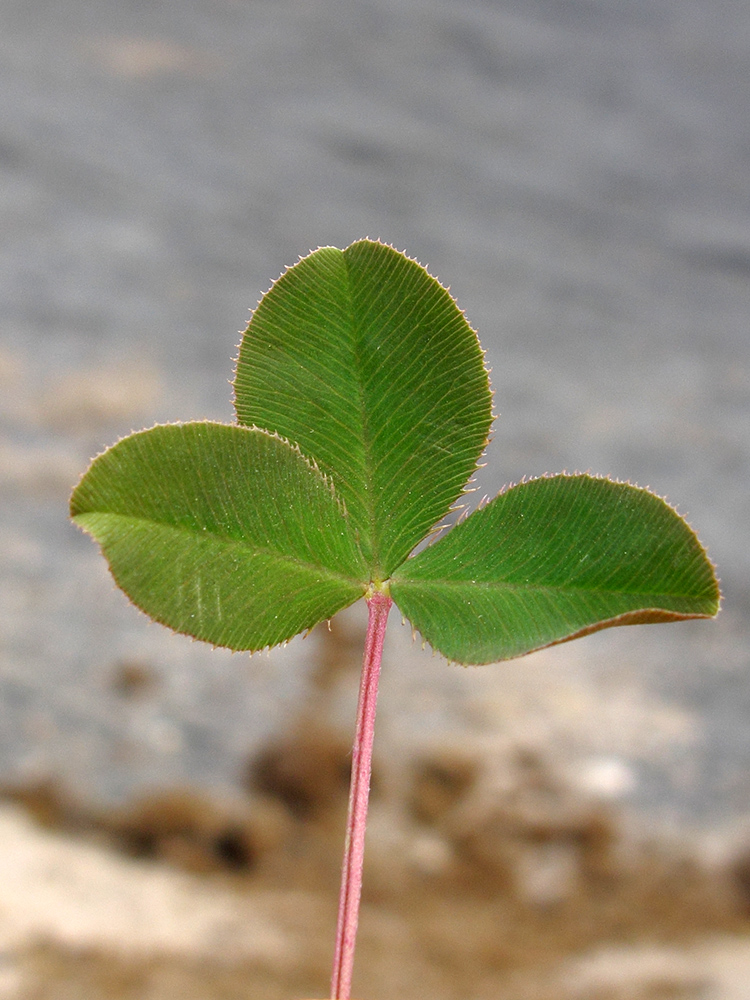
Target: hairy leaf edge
x: 469, y: 487
x: 76, y: 514
x: 643, y: 616
x: 311, y: 463
x: 402, y: 253
x: 440, y: 530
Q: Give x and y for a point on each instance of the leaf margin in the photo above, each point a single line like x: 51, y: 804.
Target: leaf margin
x: 382, y: 569
x: 82, y: 512
x: 643, y: 615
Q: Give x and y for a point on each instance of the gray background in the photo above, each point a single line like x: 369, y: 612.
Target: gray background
x: 577, y: 172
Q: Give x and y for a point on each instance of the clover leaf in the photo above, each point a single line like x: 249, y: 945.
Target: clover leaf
x: 363, y: 406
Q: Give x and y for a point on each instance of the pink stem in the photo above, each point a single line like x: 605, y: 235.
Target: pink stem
x: 359, y: 792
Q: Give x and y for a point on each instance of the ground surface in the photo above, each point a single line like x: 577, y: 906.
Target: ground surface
x: 475, y: 886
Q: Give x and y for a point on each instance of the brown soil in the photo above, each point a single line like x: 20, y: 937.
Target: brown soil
x: 471, y: 890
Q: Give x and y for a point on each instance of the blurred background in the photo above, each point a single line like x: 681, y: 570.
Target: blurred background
x: 577, y: 173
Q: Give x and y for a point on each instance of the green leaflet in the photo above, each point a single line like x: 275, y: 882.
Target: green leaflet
x: 224, y: 533
x: 552, y: 559
x: 366, y: 362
